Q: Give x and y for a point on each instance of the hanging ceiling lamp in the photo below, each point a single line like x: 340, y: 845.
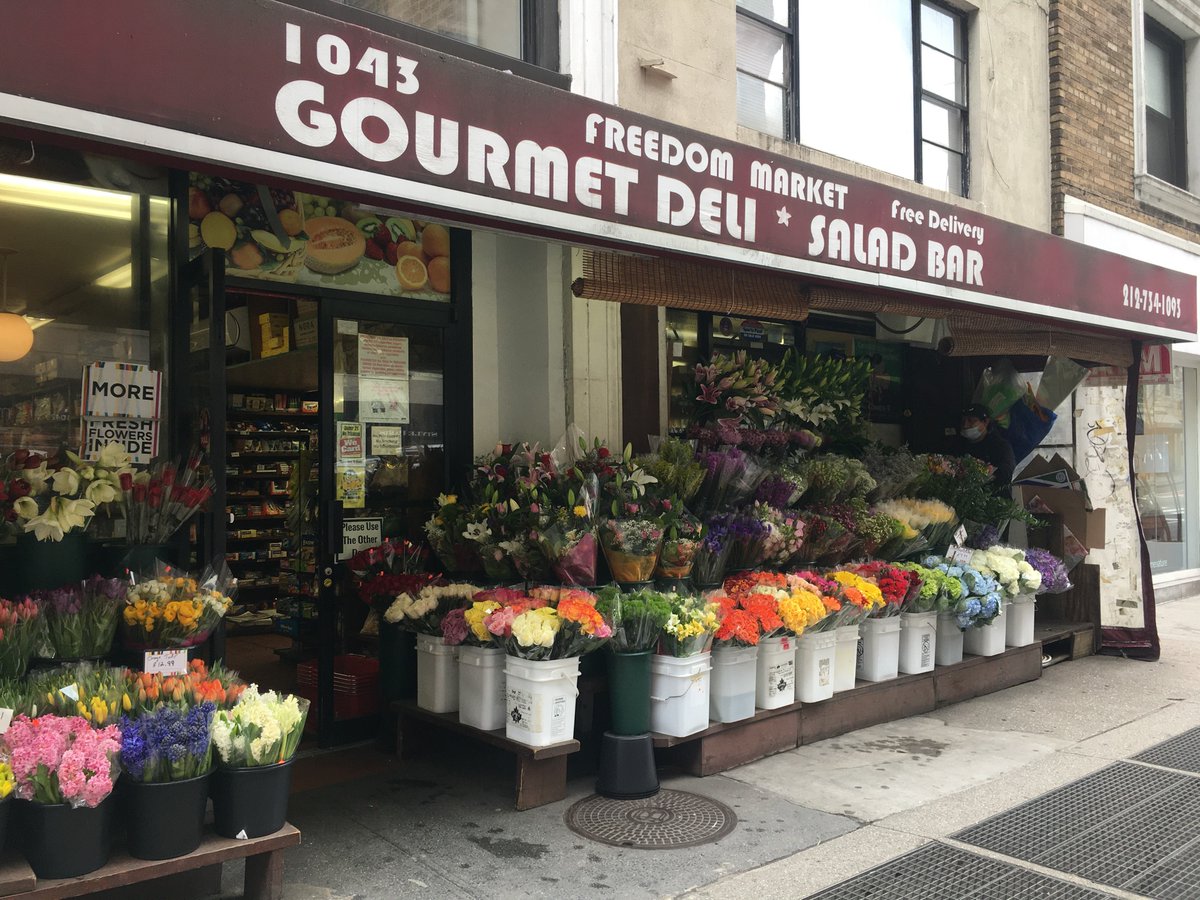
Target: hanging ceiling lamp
x: 16, y: 337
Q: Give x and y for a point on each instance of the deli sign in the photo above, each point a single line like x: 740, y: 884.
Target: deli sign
x: 265, y: 87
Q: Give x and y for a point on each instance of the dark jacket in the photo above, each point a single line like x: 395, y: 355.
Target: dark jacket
x: 994, y: 449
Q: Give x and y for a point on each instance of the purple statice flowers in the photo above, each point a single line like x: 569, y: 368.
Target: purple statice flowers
x: 168, y: 744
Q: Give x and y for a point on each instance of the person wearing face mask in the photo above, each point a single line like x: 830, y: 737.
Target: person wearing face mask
x: 983, y: 440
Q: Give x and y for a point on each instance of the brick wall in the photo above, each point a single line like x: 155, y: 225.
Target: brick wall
x: 1092, y: 112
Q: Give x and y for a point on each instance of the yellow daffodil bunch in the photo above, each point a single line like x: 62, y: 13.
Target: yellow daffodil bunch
x: 6, y: 779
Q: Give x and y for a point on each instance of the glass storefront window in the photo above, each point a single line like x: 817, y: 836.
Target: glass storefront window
x: 88, y: 271
x: 492, y: 25
x: 683, y: 353
x: 1166, y: 477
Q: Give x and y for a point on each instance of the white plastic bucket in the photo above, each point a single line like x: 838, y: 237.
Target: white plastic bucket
x: 815, y: 654
x: 987, y: 640
x: 679, y: 694
x: 437, y: 674
x: 845, y: 659
x: 918, y: 641
x: 731, y: 689
x: 1018, y: 621
x: 541, y: 700
x: 481, y: 687
x: 775, y: 680
x: 879, y: 649
x: 949, y: 649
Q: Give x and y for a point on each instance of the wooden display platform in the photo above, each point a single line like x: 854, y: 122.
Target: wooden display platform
x: 724, y: 746
x: 541, y: 771
x: 263, y: 881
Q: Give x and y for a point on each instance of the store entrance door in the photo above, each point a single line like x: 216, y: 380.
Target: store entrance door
x: 383, y: 462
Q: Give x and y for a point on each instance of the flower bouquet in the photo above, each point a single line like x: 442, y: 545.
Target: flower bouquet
x: 261, y: 729
x: 145, y: 691
x: 631, y: 546
x: 637, y: 617
x: 445, y: 532
x: 1008, y: 566
x: 859, y: 598
x: 81, y: 620
x: 933, y: 520
x: 62, y: 759
x: 827, y: 539
x: 20, y: 633
x: 96, y: 694
x: 425, y: 611
x: 834, y: 479
x: 682, y: 533
x: 783, y: 486
x: 785, y: 539
x: 896, y: 585
x: 690, y: 627
x: 174, y: 609
x: 978, y: 602
x: 712, y: 554
x: 800, y: 607
x: 827, y: 591
x: 45, y: 498
x: 167, y: 744
x: 747, y: 537
x: 735, y: 387
x: 159, y: 501
x: 569, y: 543
x: 1052, y: 570
x: 895, y: 472
x: 731, y: 478
x: 572, y: 628
x: 747, y: 616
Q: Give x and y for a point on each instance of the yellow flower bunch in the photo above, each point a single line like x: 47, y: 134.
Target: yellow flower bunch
x: 6, y: 779
x: 853, y: 584
x: 173, y: 611
x: 802, y: 609
x: 475, y: 614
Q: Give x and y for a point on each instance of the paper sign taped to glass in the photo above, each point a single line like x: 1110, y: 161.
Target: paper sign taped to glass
x: 383, y: 400
x: 351, y: 484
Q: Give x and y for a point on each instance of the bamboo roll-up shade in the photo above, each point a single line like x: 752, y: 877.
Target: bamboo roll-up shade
x: 652, y: 281
x: 1002, y: 337
x: 847, y: 300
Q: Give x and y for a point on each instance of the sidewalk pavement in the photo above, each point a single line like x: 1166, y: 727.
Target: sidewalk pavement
x: 807, y: 819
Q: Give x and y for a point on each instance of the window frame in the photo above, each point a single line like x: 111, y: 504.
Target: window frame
x: 1173, y: 46
x: 791, y: 111
x: 539, y: 38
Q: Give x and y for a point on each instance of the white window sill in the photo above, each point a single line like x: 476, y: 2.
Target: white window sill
x: 1167, y: 197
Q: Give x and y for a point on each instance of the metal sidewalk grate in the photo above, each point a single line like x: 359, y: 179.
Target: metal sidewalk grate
x: 1032, y: 829
x: 940, y: 872
x: 1181, y: 752
x: 1123, y: 826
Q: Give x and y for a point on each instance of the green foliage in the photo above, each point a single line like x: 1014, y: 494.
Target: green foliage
x: 637, y: 617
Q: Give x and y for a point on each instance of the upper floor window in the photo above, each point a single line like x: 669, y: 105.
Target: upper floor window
x: 880, y: 82
x: 491, y: 24
x: 1165, y: 89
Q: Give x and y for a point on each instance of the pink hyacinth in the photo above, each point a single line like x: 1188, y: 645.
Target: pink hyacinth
x: 81, y: 757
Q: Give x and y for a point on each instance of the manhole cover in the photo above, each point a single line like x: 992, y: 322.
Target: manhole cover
x: 665, y: 821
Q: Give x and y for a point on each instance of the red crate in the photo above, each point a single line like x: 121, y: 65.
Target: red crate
x: 355, y: 686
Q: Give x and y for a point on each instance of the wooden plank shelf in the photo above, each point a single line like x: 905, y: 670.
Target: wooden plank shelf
x: 541, y: 771
x: 263, y: 879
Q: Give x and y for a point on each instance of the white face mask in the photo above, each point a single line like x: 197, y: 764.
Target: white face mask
x: 973, y: 433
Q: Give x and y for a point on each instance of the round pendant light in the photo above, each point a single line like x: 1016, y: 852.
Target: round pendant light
x: 16, y: 337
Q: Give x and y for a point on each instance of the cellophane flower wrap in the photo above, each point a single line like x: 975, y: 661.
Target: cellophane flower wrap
x: 445, y: 530
x: 262, y: 729
x: 747, y: 536
x: 731, y: 478
x: 93, y: 693
x: 800, y: 607
x: 895, y: 471
x: 173, y: 609
x: 425, y: 611
x: 712, y: 554
x: 896, y: 585
x: 690, y: 628
x: 1051, y: 569
x: 785, y: 534
x: 783, y: 486
x: 748, y: 609
x: 384, y: 572
x: 57, y: 759
x: 21, y: 630
x: 682, y: 534
x: 572, y: 627
x: 168, y: 744
x: 53, y: 497
x: 631, y: 546
x: 933, y: 520
x: 834, y: 479
x: 1008, y: 566
x: 827, y: 591
x: 81, y: 619
x: 859, y: 598
x: 569, y: 542
x: 637, y: 617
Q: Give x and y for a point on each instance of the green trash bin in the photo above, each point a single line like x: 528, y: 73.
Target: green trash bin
x: 397, y: 663
x: 629, y: 692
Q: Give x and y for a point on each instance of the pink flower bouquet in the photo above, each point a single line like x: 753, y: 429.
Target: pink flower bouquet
x: 57, y: 759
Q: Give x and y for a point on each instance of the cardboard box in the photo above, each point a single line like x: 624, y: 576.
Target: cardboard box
x: 274, y: 334
x: 1052, y: 486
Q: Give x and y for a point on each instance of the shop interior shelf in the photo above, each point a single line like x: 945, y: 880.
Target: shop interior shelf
x: 294, y: 371
x: 264, y: 454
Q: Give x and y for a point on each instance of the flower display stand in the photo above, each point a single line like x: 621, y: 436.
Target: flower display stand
x: 197, y: 874
x: 541, y: 771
